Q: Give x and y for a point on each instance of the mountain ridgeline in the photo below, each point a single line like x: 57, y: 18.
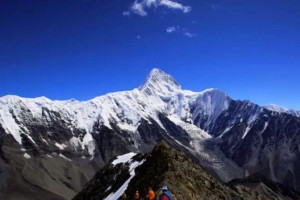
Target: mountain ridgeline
x: 184, y: 178
x: 163, y: 166
x: 51, y: 149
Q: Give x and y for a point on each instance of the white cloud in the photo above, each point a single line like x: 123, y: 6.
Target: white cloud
x: 171, y: 29
x: 150, y: 3
x: 178, y: 29
x: 175, y: 5
x: 139, y: 6
x: 188, y: 34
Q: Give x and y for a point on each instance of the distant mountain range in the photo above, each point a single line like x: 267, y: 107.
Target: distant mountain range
x: 56, y: 147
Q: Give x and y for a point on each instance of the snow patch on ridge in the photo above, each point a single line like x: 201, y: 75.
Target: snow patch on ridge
x: 60, y: 146
x: 123, y: 188
x: 123, y: 158
x: 246, y: 132
x: 26, y: 155
x: 64, y: 157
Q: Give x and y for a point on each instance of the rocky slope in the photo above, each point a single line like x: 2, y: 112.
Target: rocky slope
x: 186, y: 180
x: 164, y: 166
x: 258, y: 187
x: 59, y: 145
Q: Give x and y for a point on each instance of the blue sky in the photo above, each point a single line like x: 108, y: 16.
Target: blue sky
x: 80, y: 49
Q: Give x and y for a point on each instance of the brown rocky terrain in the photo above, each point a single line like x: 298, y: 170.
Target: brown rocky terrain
x: 185, y: 179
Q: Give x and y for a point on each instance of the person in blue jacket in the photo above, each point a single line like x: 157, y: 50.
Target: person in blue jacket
x: 165, y: 195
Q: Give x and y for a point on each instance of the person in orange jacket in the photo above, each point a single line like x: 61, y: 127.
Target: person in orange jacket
x: 151, y: 194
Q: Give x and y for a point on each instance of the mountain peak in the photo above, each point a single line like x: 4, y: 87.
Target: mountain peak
x: 160, y: 83
x: 156, y: 71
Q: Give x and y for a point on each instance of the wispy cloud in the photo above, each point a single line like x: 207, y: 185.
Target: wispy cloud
x: 188, y: 34
x: 126, y: 13
x: 175, y: 5
x: 139, y: 7
x: 178, y: 29
x: 171, y: 29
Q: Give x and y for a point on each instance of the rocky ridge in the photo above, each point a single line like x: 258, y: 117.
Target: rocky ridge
x: 185, y: 179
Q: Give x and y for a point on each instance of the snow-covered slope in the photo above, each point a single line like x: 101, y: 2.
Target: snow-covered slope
x: 279, y: 109
x: 159, y: 94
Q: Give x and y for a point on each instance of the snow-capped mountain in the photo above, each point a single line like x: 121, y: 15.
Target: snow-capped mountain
x: 229, y: 138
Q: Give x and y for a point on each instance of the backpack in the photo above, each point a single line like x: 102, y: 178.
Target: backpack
x: 164, y: 197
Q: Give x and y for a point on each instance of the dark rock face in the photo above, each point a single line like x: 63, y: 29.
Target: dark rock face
x: 259, y: 187
x: 111, y: 143
x: 104, y: 182
x: 237, y: 116
x: 175, y: 131
x: 268, y: 145
x: 2, y: 133
x: 150, y: 134
x: 45, y: 175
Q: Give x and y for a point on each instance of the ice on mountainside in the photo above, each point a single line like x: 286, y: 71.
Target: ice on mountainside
x: 211, y: 102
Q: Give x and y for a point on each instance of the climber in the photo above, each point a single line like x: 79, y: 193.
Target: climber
x: 151, y: 194
x: 136, y: 195
x: 165, y: 194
